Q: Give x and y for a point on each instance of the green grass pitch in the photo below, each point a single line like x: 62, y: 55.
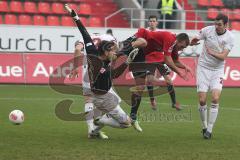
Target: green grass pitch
x: 167, y: 134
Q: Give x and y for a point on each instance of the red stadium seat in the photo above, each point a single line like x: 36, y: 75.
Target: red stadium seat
x: 212, y: 13
x: 30, y: 7
x: 216, y: 3
x: 57, y: 8
x: 25, y: 19
x: 236, y: 14
x: 235, y: 25
x: 1, y: 20
x: 44, y: 7
x: 10, y: 19
x: 85, y: 9
x: 3, y: 6
x: 203, y: 3
x: 39, y: 20
x: 53, y: 21
x: 95, y: 22
x: 84, y: 21
x: 16, y: 6
x: 67, y: 21
x: 227, y: 12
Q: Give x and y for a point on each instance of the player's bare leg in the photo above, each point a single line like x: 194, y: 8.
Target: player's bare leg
x: 202, y: 96
x: 213, y: 112
x: 172, y: 93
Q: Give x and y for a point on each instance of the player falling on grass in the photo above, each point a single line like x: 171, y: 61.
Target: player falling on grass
x: 163, y: 41
x: 158, y: 57
x: 218, y: 42
x: 88, y: 106
x: 100, y: 76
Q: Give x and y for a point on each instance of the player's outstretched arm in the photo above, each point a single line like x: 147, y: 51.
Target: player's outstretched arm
x: 116, y: 72
x: 169, y: 62
x: 194, y: 41
x: 71, y: 12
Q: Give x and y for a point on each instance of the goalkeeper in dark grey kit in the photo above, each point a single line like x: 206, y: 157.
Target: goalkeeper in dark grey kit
x: 108, y: 111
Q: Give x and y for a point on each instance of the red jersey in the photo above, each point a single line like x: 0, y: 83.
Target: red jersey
x: 160, y: 43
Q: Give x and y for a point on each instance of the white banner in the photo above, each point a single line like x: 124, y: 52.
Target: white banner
x: 61, y: 39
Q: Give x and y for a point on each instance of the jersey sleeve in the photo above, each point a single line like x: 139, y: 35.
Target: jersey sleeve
x: 230, y: 43
x: 168, y: 41
x: 141, y: 33
x: 167, y: 47
x: 202, y: 33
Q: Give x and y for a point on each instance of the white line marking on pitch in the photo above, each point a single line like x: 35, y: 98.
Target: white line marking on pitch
x: 235, y: 108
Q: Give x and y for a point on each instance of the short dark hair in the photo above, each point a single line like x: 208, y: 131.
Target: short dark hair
x: 109, y: 31
x: 222, y: 17
x: 152, y: 16
x: 104, y: 46
x: 183, y: 37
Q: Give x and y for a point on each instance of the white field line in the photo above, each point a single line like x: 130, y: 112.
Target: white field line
x: 235, y: 108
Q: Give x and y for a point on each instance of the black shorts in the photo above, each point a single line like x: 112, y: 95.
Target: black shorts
x: 163, y: 69
x: 140, y: 70
x: 137, y: 67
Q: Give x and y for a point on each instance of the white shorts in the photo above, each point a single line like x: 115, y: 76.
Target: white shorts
x: 209, y: 79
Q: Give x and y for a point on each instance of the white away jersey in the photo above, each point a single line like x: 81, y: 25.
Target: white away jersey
x: 215, y: 42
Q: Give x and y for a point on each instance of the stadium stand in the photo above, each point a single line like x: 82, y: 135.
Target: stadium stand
x: 39, y: 20
x: 52, y: 8
x: 229, y: 7
x: 25, y: 19
x: 42, y: 12
x: 30, y: 7
x: 10, y: 19
x: 16, y: 6
x: 3, y: 6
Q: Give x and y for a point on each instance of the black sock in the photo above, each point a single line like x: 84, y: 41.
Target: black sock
x: 171, y: 92
x: 136, y: 99
x: 150, y: 92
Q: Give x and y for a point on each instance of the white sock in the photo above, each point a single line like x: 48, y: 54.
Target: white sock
x: 89, y: 116
x: 109, y: 121
x: 212, y: 116
x: 203, y: 115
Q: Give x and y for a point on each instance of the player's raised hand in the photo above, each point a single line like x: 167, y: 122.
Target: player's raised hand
x: 194, y: 41
x: 183, y: 76
x: 189, y: 70
x: 68, y: 9
x: 71, y: 12
x: 132, y: 55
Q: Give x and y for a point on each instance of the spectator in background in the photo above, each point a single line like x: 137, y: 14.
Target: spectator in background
x: 166, y: 9
x: 230, y: 3
x: 142, y: 3
x: 110, y: 32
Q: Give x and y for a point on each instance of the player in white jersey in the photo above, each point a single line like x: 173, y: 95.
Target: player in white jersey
x: 218, y: 42
x: 79, y: 50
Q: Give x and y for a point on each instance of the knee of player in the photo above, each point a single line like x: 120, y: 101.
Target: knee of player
x: 127, y: 123
x: 202, y: 103
x: 168, y: 80
x: 215, y: 100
